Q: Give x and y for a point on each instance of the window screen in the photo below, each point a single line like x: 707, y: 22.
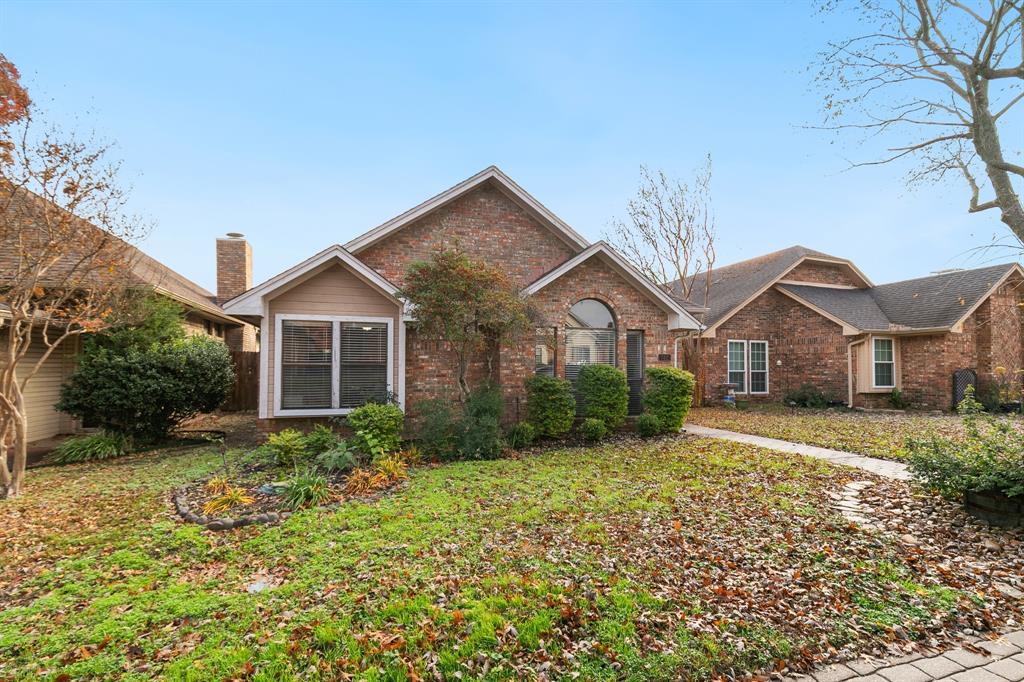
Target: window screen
x: 306, y: 348
x: 737, y: 358
x: 885, y: 369
x: 758, y: 366
x: 364, y: 363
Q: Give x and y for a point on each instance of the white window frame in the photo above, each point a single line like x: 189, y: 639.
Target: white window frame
x: 746, y: 365
x: 874, y: 362
x: 335, y: 360
x: 767, y: 369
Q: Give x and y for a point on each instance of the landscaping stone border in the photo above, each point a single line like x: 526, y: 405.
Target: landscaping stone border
x: 225, y: 522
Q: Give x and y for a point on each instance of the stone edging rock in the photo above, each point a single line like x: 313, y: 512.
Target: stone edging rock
x: 224, y: 523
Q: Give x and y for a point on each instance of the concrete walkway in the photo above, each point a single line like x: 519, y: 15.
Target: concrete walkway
x: 882, y: 467
x: 1002, y: 662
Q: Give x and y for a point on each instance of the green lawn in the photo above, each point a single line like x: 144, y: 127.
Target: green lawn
x: 675, y: 558
x: 874, y: 434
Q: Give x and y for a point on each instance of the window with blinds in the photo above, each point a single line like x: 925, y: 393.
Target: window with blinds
x: 588, y: 347
x: 333, y: 364
x: 363, y: 369
x: 884, y: 363
x: 737, y: 359
x: 758, y: 366
x: 635, y: 369
x: 306, y: 364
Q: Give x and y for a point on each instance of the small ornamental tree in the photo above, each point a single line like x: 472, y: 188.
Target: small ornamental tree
x: 470, y: 305
x: 64, y: 252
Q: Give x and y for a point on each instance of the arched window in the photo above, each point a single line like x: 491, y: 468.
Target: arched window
x: 590, y: 336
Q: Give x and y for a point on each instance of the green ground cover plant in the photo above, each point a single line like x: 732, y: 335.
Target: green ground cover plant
x: 643, y: 559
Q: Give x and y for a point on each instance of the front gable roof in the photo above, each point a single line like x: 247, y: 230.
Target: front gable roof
x: 734, y: 286
x: 251, y: 302
x: 491, y: 175
x: 679, y: 318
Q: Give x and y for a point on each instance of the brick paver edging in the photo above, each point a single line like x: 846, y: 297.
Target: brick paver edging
x: 1004, y: 662
x: 881, y: 467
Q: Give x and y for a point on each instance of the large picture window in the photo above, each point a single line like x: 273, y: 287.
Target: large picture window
x: 331, y: 364
x: 884, y: 363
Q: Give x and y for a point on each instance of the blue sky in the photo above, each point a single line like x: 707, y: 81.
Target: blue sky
x: 303, y: 125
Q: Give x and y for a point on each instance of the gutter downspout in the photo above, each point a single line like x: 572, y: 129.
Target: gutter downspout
x: 849, y: 370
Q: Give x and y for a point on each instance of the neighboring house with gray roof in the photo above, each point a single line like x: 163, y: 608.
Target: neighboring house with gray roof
x: 799, y: 316
x: 203, y: 314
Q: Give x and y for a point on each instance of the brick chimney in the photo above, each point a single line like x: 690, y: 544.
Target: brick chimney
x: 234, y: 266
x: 234, y: 276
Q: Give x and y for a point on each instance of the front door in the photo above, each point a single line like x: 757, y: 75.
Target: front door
x: 635, y: 369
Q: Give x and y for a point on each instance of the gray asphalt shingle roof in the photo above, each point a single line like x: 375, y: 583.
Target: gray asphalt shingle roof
x: 936, y: 301
x: 856, y: 307
x: 733, y: 284
x: 939, y: 300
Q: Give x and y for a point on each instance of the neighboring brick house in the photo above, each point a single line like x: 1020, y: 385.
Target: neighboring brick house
x: 335, y: 332
x: 799, y: 316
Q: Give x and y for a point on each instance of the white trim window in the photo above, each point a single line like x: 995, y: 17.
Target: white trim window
x: 737, y: 363
x: 747, y: 363
x: 331, y: 364
x: 758, y: 361
x: 883, y: 363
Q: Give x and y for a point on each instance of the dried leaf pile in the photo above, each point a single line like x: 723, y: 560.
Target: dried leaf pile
x: 676, y: 558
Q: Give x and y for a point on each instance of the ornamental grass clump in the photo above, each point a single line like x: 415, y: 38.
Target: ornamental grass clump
x: 92, y: 448
x: 308, y: 489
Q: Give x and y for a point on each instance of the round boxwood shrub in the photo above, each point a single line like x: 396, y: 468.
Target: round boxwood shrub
x: 550, y: 405
x: 648, y: 425
x: 145, y: 392
x: 667, y: 396
x: 604, y: 392
x: 593, y: 429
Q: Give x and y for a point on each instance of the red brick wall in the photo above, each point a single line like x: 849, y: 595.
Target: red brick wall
x: 487, y: 224
x: 632, y: 309
x: 999, y: 331
x: 812, y: 348
x: 822, y: 273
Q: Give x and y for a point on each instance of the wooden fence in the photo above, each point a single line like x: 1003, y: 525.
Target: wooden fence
x: 246, y: 393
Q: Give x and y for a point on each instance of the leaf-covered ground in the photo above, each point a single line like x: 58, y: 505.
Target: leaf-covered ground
x: 876, y: 434
x: 640, y: 560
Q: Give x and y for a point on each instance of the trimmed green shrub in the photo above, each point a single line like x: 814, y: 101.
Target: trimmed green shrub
x: 91, y: 448
x: 338, y: 459
x: 520, y: 435
x: 604, y: 393
x: 808, y: 395
x: 321, y: 439
x: 383, y: 422
x: 144, y: 393
x: 308, y: 489
x: 648, y: 425
x: 436, y: 428
x: 667, y: 397
x: 288, y: 446
x: 550, y: 405
x: 593, y: 429
x: 990, y: 458
x: 480, y: 430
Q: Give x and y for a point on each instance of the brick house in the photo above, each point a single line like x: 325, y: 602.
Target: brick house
x: 335, y: 332
x: 798, y: 316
